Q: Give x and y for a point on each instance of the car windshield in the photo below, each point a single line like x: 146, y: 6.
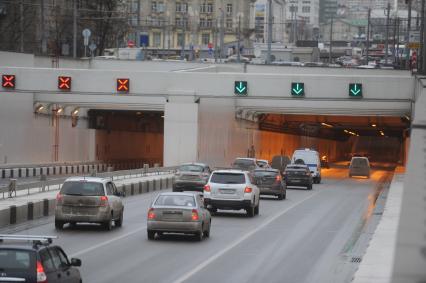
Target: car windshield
x: 265, y: 173
x: 82, y: 188
x: 175, y: 200
x: 16, y: 260
x: 228, y: 178
x: 191, y: 168
x: 262, y: 163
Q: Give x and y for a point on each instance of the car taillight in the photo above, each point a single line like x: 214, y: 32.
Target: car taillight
x: 248, y: 190
x: 41, y: 276
x: 207, y: 188
x: 278, y: 178
x: 104, y: 200
x: 151, y: 213
x: 59, y: 199
x: 194, y: 216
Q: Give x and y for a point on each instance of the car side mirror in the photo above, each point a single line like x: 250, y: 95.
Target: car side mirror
x: 75, y: 262
x: 120, y: 194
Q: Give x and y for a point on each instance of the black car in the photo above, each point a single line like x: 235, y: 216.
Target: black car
x: 33, y: 259
x: 280, y: 162
x: 270, y: 182
x: 298, y: 175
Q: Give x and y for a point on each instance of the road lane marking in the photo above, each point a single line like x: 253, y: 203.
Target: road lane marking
x: 239, y: 241
x: 107, y: 242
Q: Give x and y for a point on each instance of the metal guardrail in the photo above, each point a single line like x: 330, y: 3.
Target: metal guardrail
x: 46, y: 185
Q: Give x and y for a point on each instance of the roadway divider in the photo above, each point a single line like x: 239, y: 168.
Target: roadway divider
x: 36, y: 209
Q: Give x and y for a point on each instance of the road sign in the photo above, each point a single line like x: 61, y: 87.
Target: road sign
x: 355, y: 90
x: 92, y: 47
x: 86, y: 34
x: 64, y: 83
x: 240, y: 87
x: 413, y: 45
x: 210, y: 45
x: 297, y: 89
x: 8, y: 81
x: 123, y: 85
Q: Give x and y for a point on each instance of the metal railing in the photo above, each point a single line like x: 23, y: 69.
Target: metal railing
x: 45, y: 185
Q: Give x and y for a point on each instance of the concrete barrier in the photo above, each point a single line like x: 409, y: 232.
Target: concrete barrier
x: 57, y: 170
x: 51, y: 172
x: 69, y: 169
x: 4, y: 217
x: 37, y: 172
x: 21, y: 213
x: 30, y: 172
x: 38, y: 209
x: 15, y: 172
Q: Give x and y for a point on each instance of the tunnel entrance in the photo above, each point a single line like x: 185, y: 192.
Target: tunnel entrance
x: 382, y: 139
x: 128, y: 136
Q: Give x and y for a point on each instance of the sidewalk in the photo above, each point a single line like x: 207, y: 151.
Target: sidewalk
x: 377, y: 263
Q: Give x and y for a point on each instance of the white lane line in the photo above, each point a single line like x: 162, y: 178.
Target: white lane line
x: 107, y: 242
x: 237, y: 242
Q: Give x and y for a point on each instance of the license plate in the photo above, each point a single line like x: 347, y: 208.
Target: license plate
x: 226, y: 191
x: 295, y: 181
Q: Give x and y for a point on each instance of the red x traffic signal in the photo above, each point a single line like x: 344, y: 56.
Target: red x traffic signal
x: 8, y: 81
x: 123, y: 85
x: 64, y: 83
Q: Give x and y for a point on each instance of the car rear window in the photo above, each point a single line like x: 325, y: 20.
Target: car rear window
x: 359, y: 162
x: 244, y: 162
x: 228, y: 178
x: 82, y: 188
x: 175, y: 200
x: 191, y: 168
x: 265, y: 173
x: 17, y: 260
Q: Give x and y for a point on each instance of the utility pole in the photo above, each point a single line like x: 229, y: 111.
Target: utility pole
x: 330, y: 52
x: 222, y: 34
x: 182, y: 55
x: 138, y: 19
x: 368, y: 35
x: 43, y: 28
x: 387, y: 33
x: 268, y: 56
x: 216, y: 35
x: 21, y: 25
x: 74, y: 24
x: 239, y: 38
x: 422, y: 40
x: 407, y: 49
x: 394, y: 41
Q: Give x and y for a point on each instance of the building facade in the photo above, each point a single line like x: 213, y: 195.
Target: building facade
x: 194, y: 24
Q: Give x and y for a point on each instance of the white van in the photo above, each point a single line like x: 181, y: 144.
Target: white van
x: 311, y: 158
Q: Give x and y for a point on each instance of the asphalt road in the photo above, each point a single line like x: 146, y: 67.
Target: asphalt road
x: 306, y: 238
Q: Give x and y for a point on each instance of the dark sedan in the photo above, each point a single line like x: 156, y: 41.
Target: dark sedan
x: 298, y: 175
x: 270, y: 182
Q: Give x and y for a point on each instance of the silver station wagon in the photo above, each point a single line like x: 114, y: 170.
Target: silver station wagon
x: 178, y: 213
x: 89, y: 199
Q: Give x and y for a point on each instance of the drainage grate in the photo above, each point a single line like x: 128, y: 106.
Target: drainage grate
x: 356, y: 259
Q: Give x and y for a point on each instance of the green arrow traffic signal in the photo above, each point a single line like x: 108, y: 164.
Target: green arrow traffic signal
x: 355, y: 90
x: 297, y: 89
x: 240, y: 87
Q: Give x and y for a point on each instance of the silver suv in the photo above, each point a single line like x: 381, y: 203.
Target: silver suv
x: 233, y: 190
x: 89, y: 199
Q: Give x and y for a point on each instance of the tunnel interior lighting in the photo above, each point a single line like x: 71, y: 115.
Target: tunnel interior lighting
x: 39, y: 108
x: 351, y: 133
x: 327, y: 125
x: 75, y: 112
x: 382, y: 133
x: 373, y: 125
x: 59, y: 110
x: 138, y: 113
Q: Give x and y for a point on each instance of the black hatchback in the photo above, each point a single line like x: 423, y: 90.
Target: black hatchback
x: 270, y: 182
x: 298, y: 175
x: 33, y: 259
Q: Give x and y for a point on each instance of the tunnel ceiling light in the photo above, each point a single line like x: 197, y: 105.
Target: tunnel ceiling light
x: 162, y: 116
x: 382, y: 133
x: 407, y: 117
x: 59, y: 110
x: 39, y: 108
x: 373, y: 125
x: 75, y: 111
x: 327, y: 125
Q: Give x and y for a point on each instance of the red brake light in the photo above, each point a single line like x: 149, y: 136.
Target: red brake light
x: 151, y: 214
x: 104, y: 200
x: 59, y: 199
x: 207, y: 188
x: 41, y: 276
x: 195, y: 216
x: 248, y: 190
x: 278, y: 178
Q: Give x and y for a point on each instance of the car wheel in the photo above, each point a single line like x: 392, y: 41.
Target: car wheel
x: 250, y: 211
x: 256, y: 209
x: 309, y: 187
x: 199, y: 235
x: 151, y: 235
x: 108, y: 224
x: 281, y: 196
x: 207, y: 232
x: 319, y: 180
x: 119, y: 221
x: 59, y: 225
